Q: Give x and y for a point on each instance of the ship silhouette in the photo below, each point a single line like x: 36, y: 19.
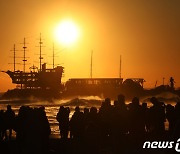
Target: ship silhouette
x: 46, y: 83
x: 39, y: 82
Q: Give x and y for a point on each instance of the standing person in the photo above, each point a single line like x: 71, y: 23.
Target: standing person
x: 171, y: 117
x: 145, y: 110
x: 77, y: 124
x: 42, y: 129
x: 124, y: 113
x: 105, y: 117
x: 136, y: 118
x: 171, y: 80
x: 157, y: 117
x: 9, y: 121
x: 176, y: 132
x: 2, y: 125
x: 63, y: 119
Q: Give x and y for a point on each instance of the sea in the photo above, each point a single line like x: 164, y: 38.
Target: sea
x: 52, y: 107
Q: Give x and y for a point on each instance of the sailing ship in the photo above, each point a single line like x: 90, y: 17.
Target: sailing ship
x: 38, y: 82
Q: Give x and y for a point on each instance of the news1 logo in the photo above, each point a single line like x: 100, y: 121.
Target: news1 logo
x: 162, y: 145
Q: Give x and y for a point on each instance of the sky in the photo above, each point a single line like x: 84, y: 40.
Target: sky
x: 146, y: 33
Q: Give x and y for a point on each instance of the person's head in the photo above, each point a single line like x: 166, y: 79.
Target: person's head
x: 86, y: 110
x: 77, y: 109
x: 169, y: 108
x: 135, y: 101
x: 154, y: 100
x: 42, y: 108
x: 8, y: 107
x: 144, y: 105
x: 121, y: 99
x: 108, y: 101
x: 93, y: 110
x: 61, y: 108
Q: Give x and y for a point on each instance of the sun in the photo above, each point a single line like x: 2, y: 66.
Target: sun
x: 66, y: 32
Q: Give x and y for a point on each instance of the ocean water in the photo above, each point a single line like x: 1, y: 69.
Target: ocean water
x: 52, y: 107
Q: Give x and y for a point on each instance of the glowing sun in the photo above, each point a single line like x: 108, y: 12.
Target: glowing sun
x: 66, y: 32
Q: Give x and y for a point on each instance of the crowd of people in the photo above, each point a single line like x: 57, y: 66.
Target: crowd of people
x: 120, y: 119
x: 31, y: 126
x: 114, y: 124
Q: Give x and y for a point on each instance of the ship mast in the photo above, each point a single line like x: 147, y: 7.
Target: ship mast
x: 91, y: 64
x: 53, y: 55
x: 120, y: 64
x: 24, y: 57
x: 14, y: 57
x: 40, y: 52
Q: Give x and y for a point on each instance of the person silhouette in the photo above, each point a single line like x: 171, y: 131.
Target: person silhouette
x: 176, y: 132
x: 124, y: 112
x: 77, y: 124
x: 9, y: 121
x: 157, y: 117
x: 2, y: 125
x: 145, y: 110
x: 171, y: 117
x: 105, y: 115
x: 63, y: 119
x: 172, y: 83
x: 136, y: 118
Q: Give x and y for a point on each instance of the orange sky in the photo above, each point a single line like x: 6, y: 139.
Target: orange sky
x: 145, y: 32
